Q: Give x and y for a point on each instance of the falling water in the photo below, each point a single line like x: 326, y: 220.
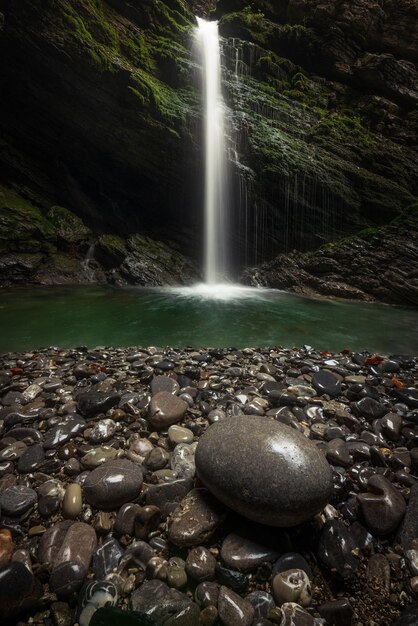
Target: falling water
x: 216, y: 203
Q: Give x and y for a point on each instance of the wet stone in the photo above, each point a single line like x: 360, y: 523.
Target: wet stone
x: 370, y: 409
x: 262, y: 602
x: 206, y: 594
x: 291, y: 560
x: 97, y: 594
x: 72, y: 502
x: 234, y: 610
x: 17, y: 500
x: 125, y: 519
x: 13, y: 451
x: 195, y: 519
x: 326, y: 382
x: 90, y: 403
x: 183, y: 460
x: 98, y: 456
x: 166, y: 409
x: 178, y: 434
x: 103, y: 431
x: 164, y: 383
x: 409, y: 529
x: 6, y: 547
x: 167, y: 496
x: 112, y: 484
x: 158, y: 603
x: 65, y: 430
x: 17, y: 590
x: 336, y: 547
x: 337, y: 612
x: 270, y: 492
x: 383, y: 506
x: 31, y: 459
x: 245, y: 555
x: 200, y: 564
x: 292, y: 586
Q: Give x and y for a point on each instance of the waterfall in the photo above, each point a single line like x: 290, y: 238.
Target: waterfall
x: 216, y: 192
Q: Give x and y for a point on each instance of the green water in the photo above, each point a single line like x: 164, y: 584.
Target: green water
x: 36, y: 317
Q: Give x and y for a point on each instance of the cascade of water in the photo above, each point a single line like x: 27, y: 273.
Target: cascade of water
x: 216, y: 194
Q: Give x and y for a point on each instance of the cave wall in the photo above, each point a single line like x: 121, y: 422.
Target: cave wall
x: 99, y: 113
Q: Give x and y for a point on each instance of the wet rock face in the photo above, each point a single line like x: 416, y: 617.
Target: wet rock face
x: 288, y: 482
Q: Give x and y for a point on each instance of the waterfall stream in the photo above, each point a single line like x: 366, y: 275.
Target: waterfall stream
x: 216, y: 191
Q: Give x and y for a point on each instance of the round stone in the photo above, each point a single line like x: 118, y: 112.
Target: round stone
x: 112, y: 484
x: 166, y: 409
x: 264, y: 470
x: 17, y: 500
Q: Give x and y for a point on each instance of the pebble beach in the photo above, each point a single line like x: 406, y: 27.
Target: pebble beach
x: 252, y: 487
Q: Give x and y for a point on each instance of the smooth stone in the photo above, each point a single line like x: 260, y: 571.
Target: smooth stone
x: 6, y: 547
x: 156, y: 459
x: 17, y: 500
x: 195, y: 519
x: 51, y: 541
x: 176, y: 573
x: 245, y: 555
x: 179, y: 434
x: 106, y: 558
x: 291, y: 482
x: 182, y: 460
x: 291, y: 560
x: 65, y: 430
x: 337, y: 453
x: 13, y: 451
x: 125, y: 519
x: 112, y: 484
x: 262, y: 602
x: 98, y: 456
x: 31, y: 459
x: 90, y: 403
x: 370, y: 409
x: 206, y: 594
x: 337, y: 612
x: 325, y: 382
x: 295, y: 615
x: 73, y: 501
x: 159, y: 604
x: 19, y: 591
x: 103, y: 431
x: 209, y: 616
x: 200, y: 564
x: 97, y: 594
x: 336, y: 549
x: 67, y: 578
x: 409, y: 396
x: 111, y: 616
x: 164, y: 383
x: 234, y: 610
x: 166, y: 409
x: 383, y: 506
x: 167, y: 496
x: 237, y: 581
x: 292, y: 586
x: 72, y: 560
x: 147, y: 520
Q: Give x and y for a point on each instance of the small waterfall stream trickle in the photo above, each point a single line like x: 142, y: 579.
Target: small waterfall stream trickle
x: 216, y: 192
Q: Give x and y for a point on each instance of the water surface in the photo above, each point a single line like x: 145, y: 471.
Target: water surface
x: 36, y: 317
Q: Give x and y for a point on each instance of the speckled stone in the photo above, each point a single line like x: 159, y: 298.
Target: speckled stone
x: 195, y: 519
x: 289, y: 481
x: 166, y: 409
x: 112, y: 484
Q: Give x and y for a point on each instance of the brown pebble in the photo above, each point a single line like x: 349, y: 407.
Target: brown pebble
x: 146, y: 520
x: 6, y: 547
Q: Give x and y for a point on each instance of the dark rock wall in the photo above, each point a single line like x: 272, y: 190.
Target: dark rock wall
x: 99, y: 113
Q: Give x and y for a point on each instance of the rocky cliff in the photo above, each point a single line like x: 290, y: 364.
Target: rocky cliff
x: 100, y: 114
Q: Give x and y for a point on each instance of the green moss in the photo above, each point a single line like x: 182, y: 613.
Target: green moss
x: 23, y: 227
x: 110, y: 251
x: 69, y: 227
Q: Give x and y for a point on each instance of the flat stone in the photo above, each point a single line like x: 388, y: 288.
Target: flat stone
x: 90, y: 403
x: 336, y: 549
x: 290, y: 481
x: 112, y: 484
x: 166, y: 409
x: 234, y: 610
x: 98, y: 456
x: 65, y: 430
x: 325, y: 382
x: 31, y: 459
x: 383, y: 506
x: 159, y: 604
x: 17, y: 500
x: 72, y: 561
x: 164, y: 383
x: 195, y: 519
x: 370, y: 409
x: 244, y: 554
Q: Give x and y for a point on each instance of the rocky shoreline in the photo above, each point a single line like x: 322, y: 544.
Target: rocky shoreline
x: 105, y: 518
